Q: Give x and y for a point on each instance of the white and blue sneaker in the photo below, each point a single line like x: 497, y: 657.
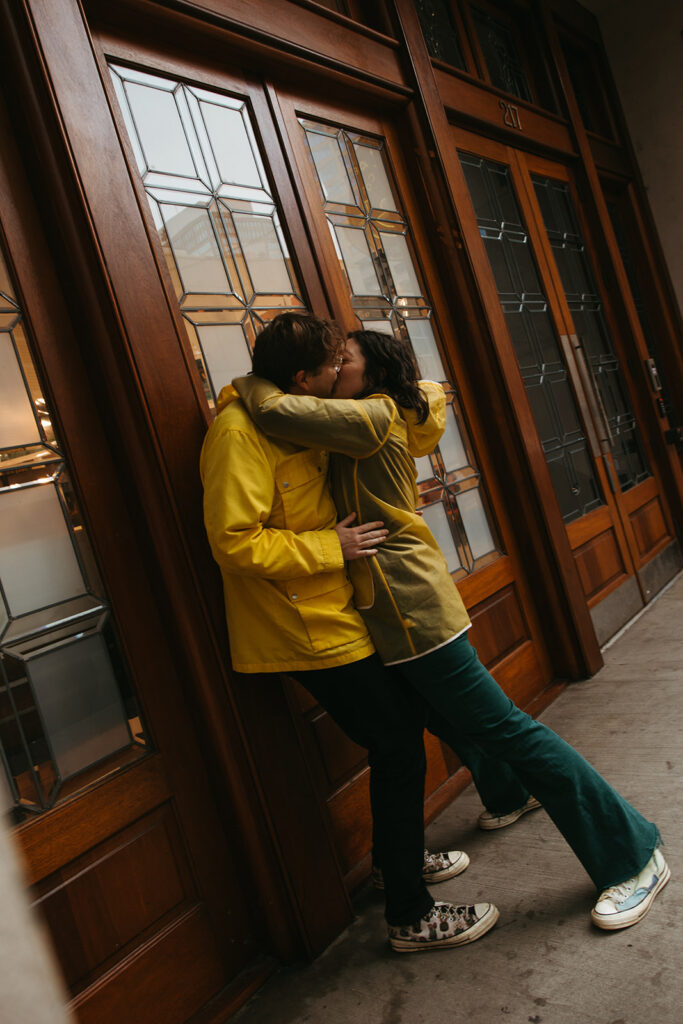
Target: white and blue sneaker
x: 625, y: 904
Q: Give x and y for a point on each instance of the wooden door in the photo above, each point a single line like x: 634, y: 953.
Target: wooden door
x: 378, y: 270
x: 124, y: 845
x: 568, y: 353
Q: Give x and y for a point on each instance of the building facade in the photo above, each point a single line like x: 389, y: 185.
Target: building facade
x: 172, y: 176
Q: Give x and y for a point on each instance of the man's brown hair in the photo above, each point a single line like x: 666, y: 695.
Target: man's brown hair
x: 293, y: 342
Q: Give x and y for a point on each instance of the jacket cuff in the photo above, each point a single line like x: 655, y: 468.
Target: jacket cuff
x: 331, y: 550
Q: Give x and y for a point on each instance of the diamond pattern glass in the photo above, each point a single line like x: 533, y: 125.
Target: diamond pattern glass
x: 373, y: 243
x: 585, y: 304
x: 534, y: 340
x: 65, y: 699
x: 216, y: 214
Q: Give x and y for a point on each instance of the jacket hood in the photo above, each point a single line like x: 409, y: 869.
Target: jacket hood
x: 424, y: 437
x: 225, y: 396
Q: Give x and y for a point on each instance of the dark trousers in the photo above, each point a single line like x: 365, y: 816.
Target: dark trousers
x: 378, y: 710
x: 610, y: 838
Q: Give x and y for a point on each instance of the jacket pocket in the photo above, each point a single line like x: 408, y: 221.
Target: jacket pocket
x: 324, y: 604
x: 301, y: 485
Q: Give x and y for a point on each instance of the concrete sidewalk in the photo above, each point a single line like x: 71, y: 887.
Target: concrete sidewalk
x: 544, y: 963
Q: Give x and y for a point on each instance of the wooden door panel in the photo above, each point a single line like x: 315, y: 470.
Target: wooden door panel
x: 142, y: 989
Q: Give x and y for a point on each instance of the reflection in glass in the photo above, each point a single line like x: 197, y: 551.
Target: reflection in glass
x: 375, y: 178
x: 400, y: 264
x: 423, y: 341
x: 226, y: 352
x: 329, y: 164
x: 372, y: 242
x: 437, y: 520
x: 214, y: 210
x: 475, y: 522
x: 65, y: 701
x: 358, y: 261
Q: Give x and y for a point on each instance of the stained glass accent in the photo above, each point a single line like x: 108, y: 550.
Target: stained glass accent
x: 539, y: 355
x: 373, y: 243
x: 439, y: 31
x: 585, y: 304
x: 65, y: 698
x: 216, y: 215
x: 501, y: 53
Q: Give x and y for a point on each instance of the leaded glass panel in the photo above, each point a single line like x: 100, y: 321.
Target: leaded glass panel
x: 533, y: 336
x: 501, y: 53
x: 586, y: 307
x: 65, y: 698
x: 216, y: 214
x: 439, y: 31
x: 373, y: 243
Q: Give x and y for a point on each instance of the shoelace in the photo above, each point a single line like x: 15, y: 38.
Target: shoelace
x: 620, y: 891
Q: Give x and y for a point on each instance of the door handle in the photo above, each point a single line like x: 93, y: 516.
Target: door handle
x: 592, y: 391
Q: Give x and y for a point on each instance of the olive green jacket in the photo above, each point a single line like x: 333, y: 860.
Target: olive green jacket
x: 405, y: 593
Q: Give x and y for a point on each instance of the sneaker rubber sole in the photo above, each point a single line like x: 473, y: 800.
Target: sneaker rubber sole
x: 483, y: 925
x: 503, y: 820
x: 613, y: 922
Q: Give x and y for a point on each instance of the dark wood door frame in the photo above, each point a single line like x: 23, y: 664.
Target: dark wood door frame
x: 122, y: 313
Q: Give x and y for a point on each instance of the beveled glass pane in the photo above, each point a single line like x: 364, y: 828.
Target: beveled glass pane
x: 400, y: 264
x: 6, y: 286
x: 195, y: 249
x: 438, y: 522
x: 225, y: 351
x: 329, y: 163
x: 501, y: 54
x: 422, y: 339
x: 475, y: 522
x: 261, y: 247
x: 375, y: 178
x: 18, y: 424
x: 451, y: 445
x: 38, y: 564
x: 358, y: 261
x: 381, y: 326
x: 77, y: 694
x: 439, y: 32
x: 160, y: 130
x: 231, y: 145
x: 424, y: 468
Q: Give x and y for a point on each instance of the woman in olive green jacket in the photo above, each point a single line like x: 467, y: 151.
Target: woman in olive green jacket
x: 418, y: 621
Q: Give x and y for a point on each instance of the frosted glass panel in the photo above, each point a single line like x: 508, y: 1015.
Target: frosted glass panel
x: 452, y: 449
x: 230, y: 145
x: 195, y: 249
x: 424, y: 468
x: 424, y: 343
x: 225, y: 351
x: 38, y: 563
x: 358, y: 261
x: 400, y: 264
x: 437, y: 520
x: 329, y: 164
x: 78, y: 697
x: 382, y: 326
x: 375, y: 178
x: 160, y: 131
x: 17, y: 424
x: 261, y: 248
x: 474, y: 520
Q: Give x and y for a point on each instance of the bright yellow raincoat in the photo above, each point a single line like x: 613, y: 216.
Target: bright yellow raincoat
x: 270, y: 521
x: 405, y: 593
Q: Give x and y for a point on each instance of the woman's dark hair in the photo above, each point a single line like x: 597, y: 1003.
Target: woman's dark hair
x: 293, y: 342
x: 390, y: 367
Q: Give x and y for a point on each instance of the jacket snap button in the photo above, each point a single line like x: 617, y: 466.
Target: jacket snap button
x: 286, y: 483
x: 294, y: 597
